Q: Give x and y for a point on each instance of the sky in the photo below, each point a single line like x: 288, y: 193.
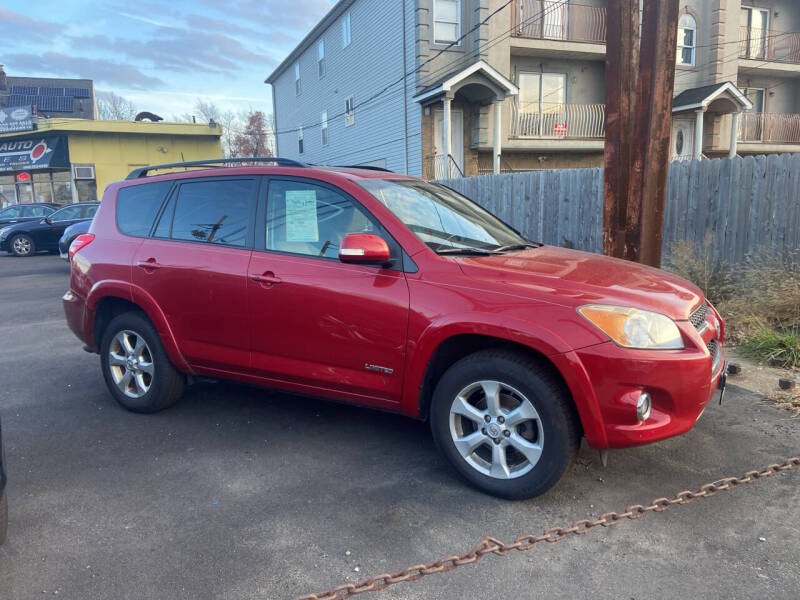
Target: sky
x: 162, y: 56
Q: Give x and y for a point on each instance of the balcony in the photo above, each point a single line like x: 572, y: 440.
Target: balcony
x: 769, y: 46
x: 558, y: 121
x: 769, y: 128
x: 556, y: 20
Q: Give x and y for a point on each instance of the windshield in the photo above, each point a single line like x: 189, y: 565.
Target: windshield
x: 443, y: 219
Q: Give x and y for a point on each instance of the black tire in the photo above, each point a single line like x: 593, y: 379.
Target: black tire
x: 22, y: 245
x: 557, y: 417
x: 166, y: 384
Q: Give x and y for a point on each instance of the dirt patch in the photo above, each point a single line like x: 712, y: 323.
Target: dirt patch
x: 763, y: 380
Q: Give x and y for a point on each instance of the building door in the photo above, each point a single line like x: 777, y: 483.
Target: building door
x: 752, y: 122
x: 683, y: 138
x: 754, y: 34
x: 445, y: 169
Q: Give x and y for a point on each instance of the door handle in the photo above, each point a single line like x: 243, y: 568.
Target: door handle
x: 268, y: 278
x: 150, y: 263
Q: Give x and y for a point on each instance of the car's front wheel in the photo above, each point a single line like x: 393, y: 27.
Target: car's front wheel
x: 22, y: 245
x: 136, y: 368
x: 505, y: 423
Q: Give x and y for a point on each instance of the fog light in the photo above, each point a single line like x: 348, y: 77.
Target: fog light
x: 643, y: 405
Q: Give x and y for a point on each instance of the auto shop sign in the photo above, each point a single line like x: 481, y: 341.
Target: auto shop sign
x: 36, y: 153
x: 16, y: 118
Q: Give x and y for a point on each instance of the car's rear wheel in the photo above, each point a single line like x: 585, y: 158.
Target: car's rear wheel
x: 22, y: 245
x: 505, y: 423
x: 136, y: 368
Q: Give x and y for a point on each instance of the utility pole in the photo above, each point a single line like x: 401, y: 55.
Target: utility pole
x: 622, y: 60
x: 639, y: 83
x: 651, y: 132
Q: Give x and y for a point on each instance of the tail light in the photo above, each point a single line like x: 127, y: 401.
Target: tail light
x: 79, y: 242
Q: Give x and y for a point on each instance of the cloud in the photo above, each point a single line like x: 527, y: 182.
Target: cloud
x: 180, y: 50
x: 21, y: 28
x: 98, y: 69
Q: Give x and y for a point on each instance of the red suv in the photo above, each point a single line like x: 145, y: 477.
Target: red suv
x: 365, y: 286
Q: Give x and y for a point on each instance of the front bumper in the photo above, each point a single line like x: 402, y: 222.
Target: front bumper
x: 680, y: 382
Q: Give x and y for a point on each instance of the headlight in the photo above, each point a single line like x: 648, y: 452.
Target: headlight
x: 4, y: 231
x: 634, y: 328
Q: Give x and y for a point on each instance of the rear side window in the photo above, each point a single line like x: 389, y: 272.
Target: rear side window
x: 35, y: 211
x: 138, y: 205
x: 214, y: 212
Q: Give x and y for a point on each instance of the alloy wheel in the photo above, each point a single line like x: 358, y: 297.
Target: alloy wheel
x: 131, y: 363
x: 496, y: 429
x: 21, y: 246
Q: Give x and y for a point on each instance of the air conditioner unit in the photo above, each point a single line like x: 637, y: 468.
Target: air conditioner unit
x: 83, y: 171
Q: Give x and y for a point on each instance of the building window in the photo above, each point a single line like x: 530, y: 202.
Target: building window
x: 321, y: 58
x: 300, y: 140
x: 687, y: 40
x: 325, y: 128
x: 446, y: 21
x: 346, y: 30
x: 349, y: 112
x: 297, y: 78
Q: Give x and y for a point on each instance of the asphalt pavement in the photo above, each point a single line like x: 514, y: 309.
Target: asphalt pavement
x: 241, y: 493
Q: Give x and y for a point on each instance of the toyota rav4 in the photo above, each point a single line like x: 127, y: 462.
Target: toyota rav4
x: 382, y: 290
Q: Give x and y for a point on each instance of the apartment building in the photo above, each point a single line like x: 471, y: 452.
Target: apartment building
x: 380, y: 82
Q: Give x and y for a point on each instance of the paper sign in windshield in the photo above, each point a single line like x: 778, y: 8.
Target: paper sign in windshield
x: 301, y: 216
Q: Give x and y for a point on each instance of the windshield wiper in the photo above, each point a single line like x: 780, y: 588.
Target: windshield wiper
x: 479, y: 251
x: 510, y: 247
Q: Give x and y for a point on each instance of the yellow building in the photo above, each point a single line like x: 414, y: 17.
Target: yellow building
x: 73, y: 160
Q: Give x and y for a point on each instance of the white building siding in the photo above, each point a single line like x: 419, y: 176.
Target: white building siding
x: 372, y: 61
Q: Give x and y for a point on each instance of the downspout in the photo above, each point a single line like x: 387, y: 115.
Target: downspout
x: 405, y: 83
x: 275, y: 120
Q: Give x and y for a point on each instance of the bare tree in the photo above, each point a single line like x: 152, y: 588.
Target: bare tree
x: 111, y: 107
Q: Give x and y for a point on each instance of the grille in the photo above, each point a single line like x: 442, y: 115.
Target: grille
x: 713, y: 349
x: 698, y: 316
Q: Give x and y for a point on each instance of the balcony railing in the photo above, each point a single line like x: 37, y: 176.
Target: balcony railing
x: 769, y: 128
x: 551, y: 120
x: 766, y: 45
x: 557, y: 20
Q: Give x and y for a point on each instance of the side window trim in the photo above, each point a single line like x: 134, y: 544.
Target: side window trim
x: 162, y: 210
x: 171, y: 200
x: 261, y: 244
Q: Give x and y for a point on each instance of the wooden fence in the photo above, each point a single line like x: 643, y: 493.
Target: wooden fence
x: 743, y: 206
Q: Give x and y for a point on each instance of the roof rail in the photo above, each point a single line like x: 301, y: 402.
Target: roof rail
x: 281, y: 162
x: 367, y: 167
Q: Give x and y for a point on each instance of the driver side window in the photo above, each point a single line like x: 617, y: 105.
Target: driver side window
x: 307, y: 219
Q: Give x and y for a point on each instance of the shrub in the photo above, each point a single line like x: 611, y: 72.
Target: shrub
x: 695, y: 263
x: 777, y: 347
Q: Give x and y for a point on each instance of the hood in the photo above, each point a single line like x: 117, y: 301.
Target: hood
x: 574, y: 278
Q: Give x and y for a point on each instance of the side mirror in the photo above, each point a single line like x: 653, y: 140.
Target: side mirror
x: 364, y: 248
x: 47, y: 220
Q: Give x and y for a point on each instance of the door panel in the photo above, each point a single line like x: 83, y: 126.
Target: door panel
x: 202, y: 291
x: 316, y: 321
x: 197, y: 270
x: 456, y: 143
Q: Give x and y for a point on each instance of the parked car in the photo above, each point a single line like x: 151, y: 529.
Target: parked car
x: 3, y: 497
x: 17, y: 213
x: 25, y: 239
x: 69, y: 235
x: 386, y: 291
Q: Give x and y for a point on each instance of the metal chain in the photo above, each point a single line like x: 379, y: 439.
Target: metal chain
x: 490, y: 545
